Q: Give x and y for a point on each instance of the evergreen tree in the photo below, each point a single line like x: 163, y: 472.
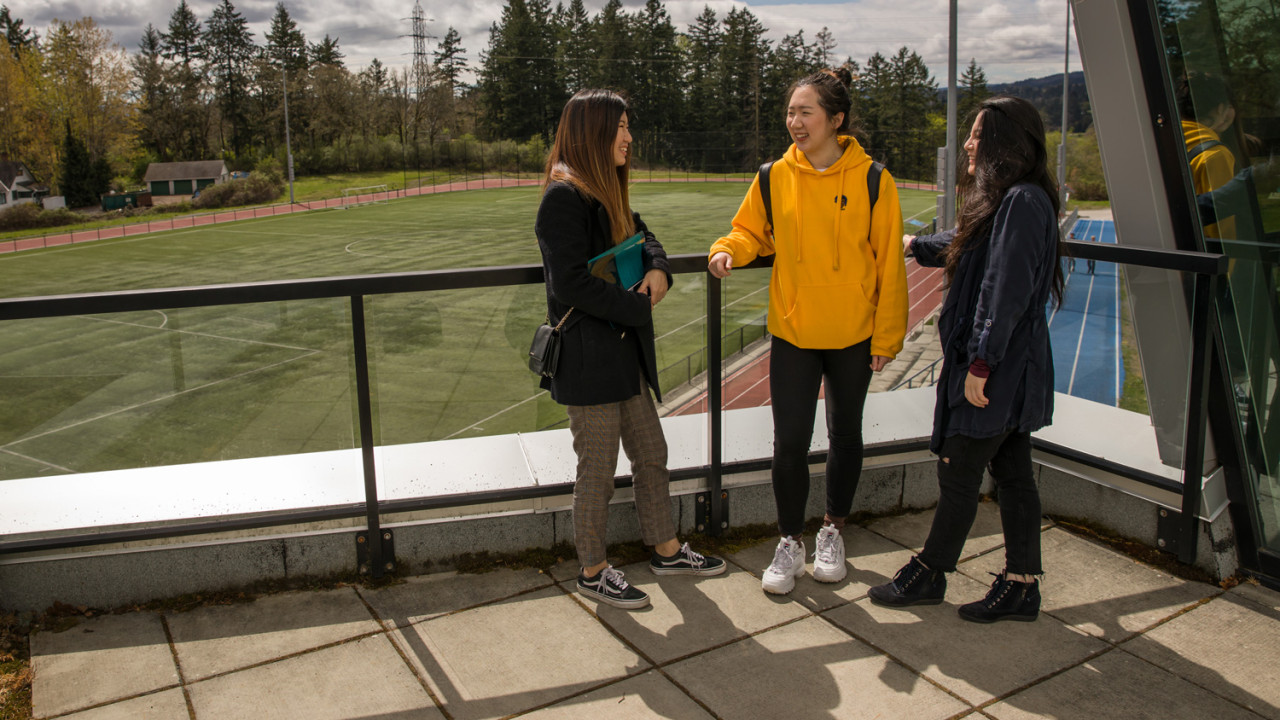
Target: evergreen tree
x: 520, y: 94
x: 451, y: 60
x: 326, y: 52
x: 573, y: 49
x: 743, y: 59
x: 656, y: 100
x: 185, y: 40
x: 76, y: 174
x: 19, y: 38
x: 612, y: 48
x: 705, y: 109
x: 154, y: 130
x: 231, y: 51
x: 873, y: 91
x: 824, y: 47
x: 973, y: 90
x: 286, y: 44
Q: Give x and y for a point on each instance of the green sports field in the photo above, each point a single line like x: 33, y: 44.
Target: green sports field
x: 125, y: 390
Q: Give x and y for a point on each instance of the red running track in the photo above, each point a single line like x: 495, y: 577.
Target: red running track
x: 749, y: 385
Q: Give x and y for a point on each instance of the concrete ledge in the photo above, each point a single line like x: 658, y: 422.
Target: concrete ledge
x: 109, y: 575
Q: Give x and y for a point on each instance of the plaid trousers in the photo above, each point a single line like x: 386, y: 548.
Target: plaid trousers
x: 596, y: 431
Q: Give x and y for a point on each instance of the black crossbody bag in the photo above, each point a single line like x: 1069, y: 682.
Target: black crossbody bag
x: 544, y: 352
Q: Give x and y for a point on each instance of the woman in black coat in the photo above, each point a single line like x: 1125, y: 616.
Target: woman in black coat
x: 996, y: 384
x: 607, y: 361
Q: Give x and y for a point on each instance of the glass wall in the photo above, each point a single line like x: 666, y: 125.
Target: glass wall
x: 1223, y: 59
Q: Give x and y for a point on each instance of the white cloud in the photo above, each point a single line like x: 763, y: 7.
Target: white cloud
x: 1011, y: 39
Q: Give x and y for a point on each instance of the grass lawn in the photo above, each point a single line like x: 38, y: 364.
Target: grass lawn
x: 124, y: 390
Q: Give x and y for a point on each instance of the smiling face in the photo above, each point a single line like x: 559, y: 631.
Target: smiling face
x: 622, y: 142
x: 810, y: 127
x: 971, y: 145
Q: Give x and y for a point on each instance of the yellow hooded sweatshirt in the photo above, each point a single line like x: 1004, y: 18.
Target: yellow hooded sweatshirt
x: 1210, y: 170
x: 838, y: 277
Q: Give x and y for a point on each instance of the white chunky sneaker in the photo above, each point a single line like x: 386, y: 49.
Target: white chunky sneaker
x: 788, y: 564
x: 828, y: 556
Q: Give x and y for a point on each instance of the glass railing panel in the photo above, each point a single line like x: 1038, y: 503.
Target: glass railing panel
x: 1225, y: 92
x: 141, y: 389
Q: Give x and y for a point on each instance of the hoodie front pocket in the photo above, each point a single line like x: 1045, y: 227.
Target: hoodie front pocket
x: 831, y: 316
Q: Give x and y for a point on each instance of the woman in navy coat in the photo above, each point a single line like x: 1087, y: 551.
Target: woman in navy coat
x: 607, y: 364
x: 996, y: 384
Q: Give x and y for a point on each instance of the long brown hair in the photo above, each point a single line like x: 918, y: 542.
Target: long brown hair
x: 582, y: 156
x: 1011, y: 149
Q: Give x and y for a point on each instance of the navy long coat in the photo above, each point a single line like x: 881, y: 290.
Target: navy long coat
x: 608, y: 340
x: 995, y: 311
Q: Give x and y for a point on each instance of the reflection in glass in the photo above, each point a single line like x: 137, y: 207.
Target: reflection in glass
x: 1224, y: 61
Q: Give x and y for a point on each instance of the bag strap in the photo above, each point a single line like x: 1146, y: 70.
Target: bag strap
x: 562, y: 320
x: 1197, y: 149
x: 873, y: 184
x: 764, y: 193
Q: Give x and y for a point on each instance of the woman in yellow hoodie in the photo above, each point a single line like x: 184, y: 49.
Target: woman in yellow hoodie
x: 837, y: 308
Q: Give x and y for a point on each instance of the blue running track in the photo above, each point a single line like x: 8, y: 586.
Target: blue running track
x: 1085, y: 330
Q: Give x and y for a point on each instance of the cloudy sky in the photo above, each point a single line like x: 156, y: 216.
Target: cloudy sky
x: 1010, y: 39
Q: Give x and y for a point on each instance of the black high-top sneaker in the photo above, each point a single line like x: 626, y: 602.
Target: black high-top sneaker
x: 1006, y: 600
x: 914, y: 584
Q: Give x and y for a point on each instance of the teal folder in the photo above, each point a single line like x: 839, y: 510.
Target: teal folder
x: 622, y: 264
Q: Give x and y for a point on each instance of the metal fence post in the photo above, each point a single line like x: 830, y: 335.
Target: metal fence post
x: 1197, y: 400
x: 714, y: 419
x: 372, y: 542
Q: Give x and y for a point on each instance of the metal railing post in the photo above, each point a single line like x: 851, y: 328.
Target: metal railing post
x: 1197, y: 400
x: 373, y: 539
x: 715, y: 427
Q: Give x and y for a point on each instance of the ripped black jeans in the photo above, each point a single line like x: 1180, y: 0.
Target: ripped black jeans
x: 960, y: 469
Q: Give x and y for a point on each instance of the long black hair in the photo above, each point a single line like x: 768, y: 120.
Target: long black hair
x: 1011, y: 149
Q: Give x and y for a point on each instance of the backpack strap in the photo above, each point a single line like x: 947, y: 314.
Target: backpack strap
x: 764, y: 194
x: 873, y: 184
x: 1197, y: 149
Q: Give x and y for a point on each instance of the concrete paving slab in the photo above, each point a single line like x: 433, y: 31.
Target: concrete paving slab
x: 976, y: 662
x: 870, y: 558
x: 364, y: 678
x: 639, y: 698
x: 1229, y: 646
x: 911, y: 529
x: 1117, y: 685
x: 165, y: 705
x: 688, y: 615
x: 1098, y: 590
x: 1265, y: 597
x: 427, y: 596
x: 809, y: 669
x: 217, y: 639
x: 515, y: 654
x: 99, y: 660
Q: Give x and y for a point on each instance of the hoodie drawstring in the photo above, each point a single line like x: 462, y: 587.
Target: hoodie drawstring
x: 835, y: 225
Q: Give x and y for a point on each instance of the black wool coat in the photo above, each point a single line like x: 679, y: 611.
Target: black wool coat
x: 995, y: 311
x: 607, y: 343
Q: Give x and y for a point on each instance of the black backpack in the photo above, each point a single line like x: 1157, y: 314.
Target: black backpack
x: 1195, y: 150
x: 873, y: 188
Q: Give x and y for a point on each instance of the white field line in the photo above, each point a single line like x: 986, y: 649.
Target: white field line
x: 200, y: 334
x: 704, y: 315
x: 155, y: 400
x: 37, y: 461
x: 1084, y: 320
x: 485, y: 420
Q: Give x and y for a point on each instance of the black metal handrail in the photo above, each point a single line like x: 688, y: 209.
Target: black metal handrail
x: 1205, y: 266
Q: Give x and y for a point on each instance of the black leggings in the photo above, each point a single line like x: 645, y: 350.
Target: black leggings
x: 794, y: 378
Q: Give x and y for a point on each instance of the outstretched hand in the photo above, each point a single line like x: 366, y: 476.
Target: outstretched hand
x: 721, y: 264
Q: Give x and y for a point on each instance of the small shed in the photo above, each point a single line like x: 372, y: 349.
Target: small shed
x: 120, y: 201
x: 184, y: 178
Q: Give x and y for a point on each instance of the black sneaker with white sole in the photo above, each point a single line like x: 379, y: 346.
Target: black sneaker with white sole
x: 685, y: 562
x: 611, y: 588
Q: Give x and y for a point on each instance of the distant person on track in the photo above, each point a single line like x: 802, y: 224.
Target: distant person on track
x: 1003, y: 262
x: 607, y: 360
x: 837, y: 307
x: 1073, y: 260
x: 1092, y: 263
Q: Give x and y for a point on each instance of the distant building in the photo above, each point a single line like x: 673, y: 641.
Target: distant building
x: 16, y: 184
x: 184, y: 178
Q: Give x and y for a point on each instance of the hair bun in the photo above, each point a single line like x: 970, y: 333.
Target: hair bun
x: 842, y: 74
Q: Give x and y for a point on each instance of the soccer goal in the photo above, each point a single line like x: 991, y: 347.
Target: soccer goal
x: 371, y: 195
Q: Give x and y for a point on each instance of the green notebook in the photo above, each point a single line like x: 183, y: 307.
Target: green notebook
x: 622, y: 264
